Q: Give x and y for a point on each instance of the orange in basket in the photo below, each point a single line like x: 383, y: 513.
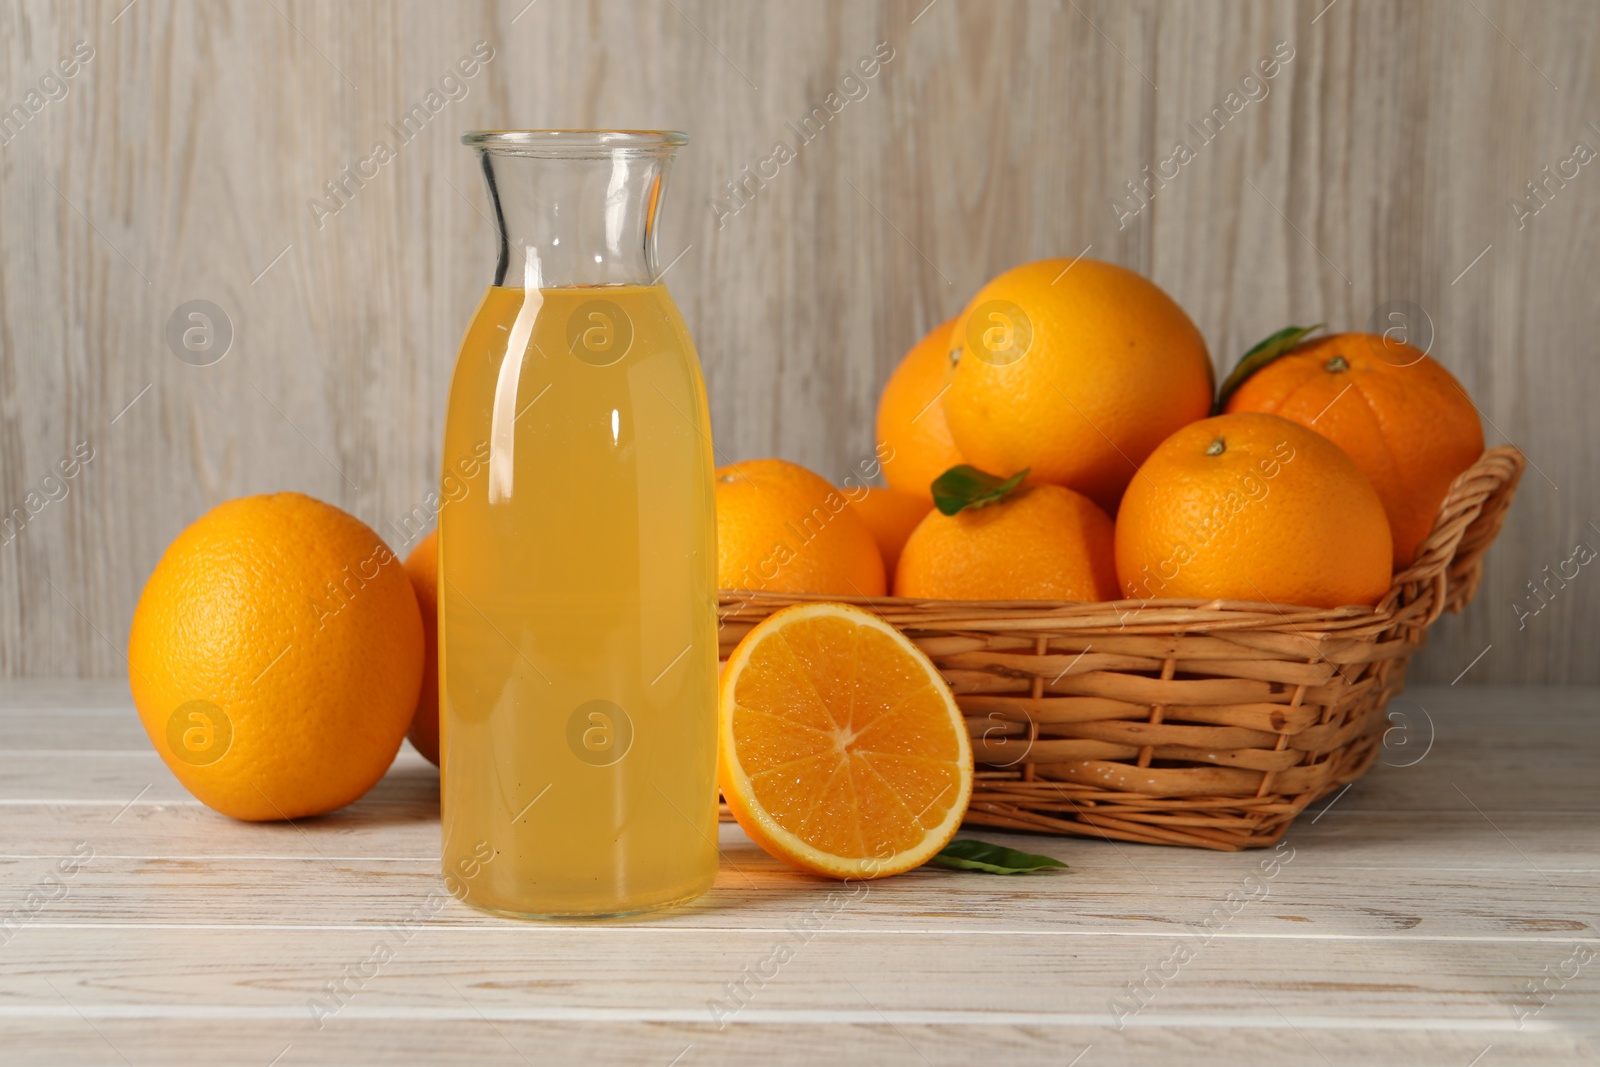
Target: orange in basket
x: 781, y: 528
x: 911, y: 422
x: 1406, y: 422
x: 841, y: 749
x: 1076, y: 370
x: 1044, y: 543
x: 1253, y: 507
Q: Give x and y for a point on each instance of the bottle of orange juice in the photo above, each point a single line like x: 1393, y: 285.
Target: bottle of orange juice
x: 577, y: 563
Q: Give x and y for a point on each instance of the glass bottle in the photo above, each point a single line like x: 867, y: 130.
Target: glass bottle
x: 577, y: 550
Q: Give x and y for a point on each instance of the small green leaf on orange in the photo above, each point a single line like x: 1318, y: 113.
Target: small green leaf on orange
x: 965, y: 486
x: 1263, y: 353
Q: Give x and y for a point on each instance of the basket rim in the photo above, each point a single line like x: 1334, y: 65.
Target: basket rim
x: 1133, y: 616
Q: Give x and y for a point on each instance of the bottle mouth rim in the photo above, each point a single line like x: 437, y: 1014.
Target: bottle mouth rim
x: 573, y: 142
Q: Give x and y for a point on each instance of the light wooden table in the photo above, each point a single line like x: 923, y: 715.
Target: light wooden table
x: 1410, y: 921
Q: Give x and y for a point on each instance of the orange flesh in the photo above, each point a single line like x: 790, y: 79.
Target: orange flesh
x: 847, y: 742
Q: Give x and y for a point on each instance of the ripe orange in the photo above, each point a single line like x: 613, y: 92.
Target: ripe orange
x: 841, y: 749
x: 1043, y: 543
x: 891, y: 515
x: 1076, y: 370
x: 911, y: 420
x: 422, y: 567
x: 1253, y: 507
x: 1406, y: 422
x: 783, y: 529
x: 275, y: 657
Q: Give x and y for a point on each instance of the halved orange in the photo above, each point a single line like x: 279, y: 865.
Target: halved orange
x: 841, y: 749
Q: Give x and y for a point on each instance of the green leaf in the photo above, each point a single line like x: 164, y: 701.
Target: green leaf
x: 968, y: 487
x: 1259, y: 356
x: 973, y: 855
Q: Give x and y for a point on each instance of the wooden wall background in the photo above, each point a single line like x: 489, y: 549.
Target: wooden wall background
x: 179, y: 163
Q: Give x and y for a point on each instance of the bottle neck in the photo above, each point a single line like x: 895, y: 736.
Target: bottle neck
x: 582, y: 215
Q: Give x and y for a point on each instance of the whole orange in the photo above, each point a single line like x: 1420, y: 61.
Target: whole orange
x: 1406, y: 421
x: 1076, y: 370
x: 422, y: 567
x: 1253, y: 507
x: 911, y: 419
x: 783, y: 529
x: 275, y: 657
x: 1045, y: 542
x: 891, y: 515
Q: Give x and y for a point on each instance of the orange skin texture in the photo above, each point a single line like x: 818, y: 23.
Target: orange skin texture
x: 911, y: 418
x: 891, y: 516
x: 783, y: 529
x: 422, y: 567
x: 1405, y: 420
x: 1114, y: 367
x: 1281, y: 515
x: 1042, y: 543
x: 298, y: 624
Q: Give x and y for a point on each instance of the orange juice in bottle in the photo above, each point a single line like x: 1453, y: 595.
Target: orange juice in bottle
x: 577, y: 568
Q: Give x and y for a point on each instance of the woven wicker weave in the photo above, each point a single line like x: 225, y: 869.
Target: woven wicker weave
x: 1182, y: 722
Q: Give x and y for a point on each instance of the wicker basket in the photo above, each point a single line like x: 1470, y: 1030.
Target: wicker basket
x: 1181, y: 722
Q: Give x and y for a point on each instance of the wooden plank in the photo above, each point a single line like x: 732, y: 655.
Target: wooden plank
x: 1363, y: 176
x: 515, y: 1043
x: 368, y: 830
x: 318, y: 886
x: 553, y: 971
